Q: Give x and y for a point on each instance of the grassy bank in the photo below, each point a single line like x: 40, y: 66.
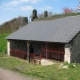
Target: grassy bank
x: 3, y: 42
x: 53, y: 72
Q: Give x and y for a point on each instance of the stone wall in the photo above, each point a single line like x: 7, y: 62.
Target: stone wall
x: 18, y: 44
x: 75, y: 56
x: 72, y: 50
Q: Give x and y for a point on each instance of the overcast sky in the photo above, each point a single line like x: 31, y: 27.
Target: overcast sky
x: 10, y: 9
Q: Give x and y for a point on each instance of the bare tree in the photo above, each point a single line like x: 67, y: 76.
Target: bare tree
x: 41, y: 15
x: 50, y: 14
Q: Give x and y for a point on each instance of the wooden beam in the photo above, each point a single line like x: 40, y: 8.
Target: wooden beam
x: 28, y: 52
x: 46, y: 50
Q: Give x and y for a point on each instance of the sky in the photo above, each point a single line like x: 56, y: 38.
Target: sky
x: 10, y: 9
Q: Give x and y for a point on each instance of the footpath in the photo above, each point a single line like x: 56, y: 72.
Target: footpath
x: 11, y: 75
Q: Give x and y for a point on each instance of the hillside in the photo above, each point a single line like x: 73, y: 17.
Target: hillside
x: 57, y: 16
x: 14, y: 24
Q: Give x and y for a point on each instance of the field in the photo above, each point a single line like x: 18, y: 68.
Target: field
x: 53, y: 72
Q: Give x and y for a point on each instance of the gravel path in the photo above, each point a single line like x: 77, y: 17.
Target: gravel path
x: 11, y: 75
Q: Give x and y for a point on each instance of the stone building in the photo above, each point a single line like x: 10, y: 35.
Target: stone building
x: 57, y: 39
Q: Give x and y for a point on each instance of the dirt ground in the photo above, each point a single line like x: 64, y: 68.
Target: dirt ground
x: 11, y: 75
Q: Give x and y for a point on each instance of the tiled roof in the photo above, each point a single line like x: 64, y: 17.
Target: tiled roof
x: 60, y: 30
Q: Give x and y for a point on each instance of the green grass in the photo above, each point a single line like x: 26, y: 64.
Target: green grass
x: 3, y: 42
x: 53, y: 72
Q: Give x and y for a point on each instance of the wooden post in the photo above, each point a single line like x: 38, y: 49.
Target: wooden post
x: 46, y: 50
x: 8, y: 47
x: 28, y: 53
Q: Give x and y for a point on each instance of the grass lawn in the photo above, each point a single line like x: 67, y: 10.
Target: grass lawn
x: 53, y: 72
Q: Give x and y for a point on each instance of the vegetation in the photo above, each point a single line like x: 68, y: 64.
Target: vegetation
x: 67, y: 10
x: 57, y: 16
x: 13, y: 25
x: 45, y: 13
x: 53, y: 72
x: 34, y: 14
x: 3, y: 42
x: 25, y: 19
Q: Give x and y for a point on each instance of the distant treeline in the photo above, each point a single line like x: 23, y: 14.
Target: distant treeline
x: 13, y: 25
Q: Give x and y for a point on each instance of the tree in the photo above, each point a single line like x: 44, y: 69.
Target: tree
x: 41, y: 15
x: 45, y: 13
x: 34, y: 14
x: 67, y: 10
x: 50, y: 14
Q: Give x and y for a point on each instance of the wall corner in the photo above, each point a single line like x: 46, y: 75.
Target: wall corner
x: 8, y: 47
x: 67, y: 56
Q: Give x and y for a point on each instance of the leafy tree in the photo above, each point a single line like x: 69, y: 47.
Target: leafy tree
x: 34, y: 14
x: 45, y: 13
x: 26, y: 19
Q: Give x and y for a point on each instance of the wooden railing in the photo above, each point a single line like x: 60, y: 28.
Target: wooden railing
x: 18, y: 53
x: 23, y: 54
x: 53, y: 52
x: 36, y: 56
x: 49, y: 54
